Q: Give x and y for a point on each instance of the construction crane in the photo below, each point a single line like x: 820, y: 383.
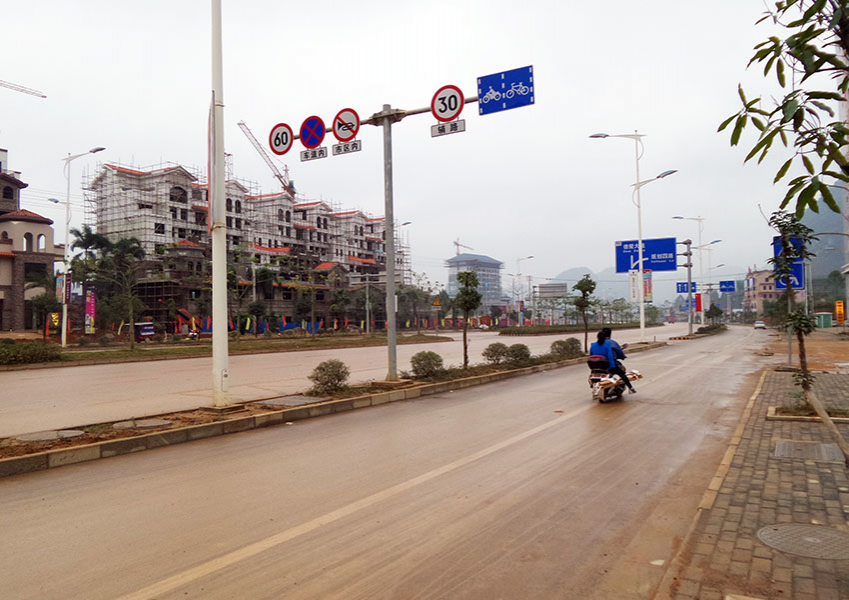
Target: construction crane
x: 284, y: 179
x: 20, y: 88
x: 458, y: 245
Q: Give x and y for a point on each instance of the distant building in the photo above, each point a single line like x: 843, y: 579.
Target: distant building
x: 489, y: 277
x: 759, y: 287
x: 26, y: 250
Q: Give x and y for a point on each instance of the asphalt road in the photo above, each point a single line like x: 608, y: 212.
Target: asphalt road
x: 62, y: 398
x: 521, y: 489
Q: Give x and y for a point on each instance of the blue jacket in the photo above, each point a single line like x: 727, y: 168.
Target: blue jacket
x: 606, y: 350
x: 617, y: 349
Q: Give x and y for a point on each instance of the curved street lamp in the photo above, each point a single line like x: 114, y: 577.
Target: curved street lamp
x: 638, y: 153
x: 66, y: 282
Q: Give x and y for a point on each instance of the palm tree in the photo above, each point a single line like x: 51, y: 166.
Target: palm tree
x: 89, y: 241
x: 119, y: 269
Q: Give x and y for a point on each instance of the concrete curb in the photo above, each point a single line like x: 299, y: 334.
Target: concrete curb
x: 76, y: 454
x: 771, y: 416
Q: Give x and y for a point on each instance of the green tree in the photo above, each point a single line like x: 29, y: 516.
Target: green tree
x: 795, y: 238
x: 118, y: 270
x: 714, y: 313
x: 816, y: 43
x: 586, y: 287
x: 468, y: 300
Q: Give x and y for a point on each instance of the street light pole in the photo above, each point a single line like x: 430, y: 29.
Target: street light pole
x: 701, y: 223
x: 638, y: 153
x: 521, y: 287
x: 66, y: 287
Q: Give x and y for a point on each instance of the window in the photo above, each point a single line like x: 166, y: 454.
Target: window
x: 200, y: 218
x: 178, y: 194
x: 318, y: 222
x: 184, y: 214
x: 173, y: 213
x: 288, y: 217
x: 8, y: 193
x: 159, y: 228
x: 229, y: 221
x: 229, y: 204
x: 143, y: 206
x: 238, y: 207
x: 197, y: 195
x: 41, y: 242
x: 181, y: 233
x: 238, y: 223
x: 287, y: 295
x: 28, y: 245
x: 281, y: 216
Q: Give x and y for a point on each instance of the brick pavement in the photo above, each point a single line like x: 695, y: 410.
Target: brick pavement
x: 723, y: 557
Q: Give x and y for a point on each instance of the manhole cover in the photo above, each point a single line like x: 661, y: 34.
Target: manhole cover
x: 808, y: 451
x: 813, y: 541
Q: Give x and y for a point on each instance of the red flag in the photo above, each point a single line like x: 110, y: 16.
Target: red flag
x: 321, y: 324
x: 284, y: 320
x: 346, y: 323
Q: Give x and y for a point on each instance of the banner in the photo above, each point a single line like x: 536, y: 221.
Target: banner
x: 647, y: 289
x: 90, y: 307
x: 838, y: 312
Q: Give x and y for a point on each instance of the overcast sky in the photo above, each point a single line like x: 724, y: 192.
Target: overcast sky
x: 135, y: 77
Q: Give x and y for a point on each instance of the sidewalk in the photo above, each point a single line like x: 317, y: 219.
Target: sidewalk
x: 774, y: 523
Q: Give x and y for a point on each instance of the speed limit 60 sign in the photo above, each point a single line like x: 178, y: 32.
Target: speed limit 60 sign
x: 280, y: 139
x: 447, y: 103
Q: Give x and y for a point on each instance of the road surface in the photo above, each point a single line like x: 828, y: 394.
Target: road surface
x: 521, y: 489
x: 62, y: 398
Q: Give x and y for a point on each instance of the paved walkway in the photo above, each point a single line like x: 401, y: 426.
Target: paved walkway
x: 775, y: 473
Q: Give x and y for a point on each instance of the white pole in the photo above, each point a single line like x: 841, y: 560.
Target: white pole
x: 701, y: 272
x: 219, y: 226
x: 67, y: 252
x: 389, y: 220
x: 641, y: 281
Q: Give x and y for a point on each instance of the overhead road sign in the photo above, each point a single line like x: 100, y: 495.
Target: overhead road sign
x: 797, y: 276
x: 280, y: 139
x: 312, y: 132
x: 681, y: 287
x: 658, y: 255
x: 346, y: 125
x: 506, y: 90
x: 727, y: 286
x: 447, y: 103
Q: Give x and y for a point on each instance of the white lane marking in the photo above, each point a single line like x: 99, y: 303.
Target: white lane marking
x: 226, y: 560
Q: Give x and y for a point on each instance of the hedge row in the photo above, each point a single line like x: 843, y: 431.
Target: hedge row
x: 548, y: 329
x: 29, y: 352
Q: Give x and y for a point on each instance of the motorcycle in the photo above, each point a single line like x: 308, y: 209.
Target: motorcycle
x: 606, y: 386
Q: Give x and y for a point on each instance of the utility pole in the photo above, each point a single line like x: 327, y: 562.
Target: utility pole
x: 688, y: 254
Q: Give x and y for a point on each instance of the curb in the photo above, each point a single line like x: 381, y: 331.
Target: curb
x: 708, y: 498
x: 51, y: 459
x: 771, y: 416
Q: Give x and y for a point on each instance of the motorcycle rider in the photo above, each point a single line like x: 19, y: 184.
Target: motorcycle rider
x: 616, y: 354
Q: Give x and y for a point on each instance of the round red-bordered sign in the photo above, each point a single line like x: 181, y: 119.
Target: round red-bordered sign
x: 280, y: 139
x: 447, y: 103
x: 312, y: 132
x: 346, y: 124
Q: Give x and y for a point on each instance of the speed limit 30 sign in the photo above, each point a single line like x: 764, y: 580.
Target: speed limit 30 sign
x: 447, y: 103
x: 280, y: 139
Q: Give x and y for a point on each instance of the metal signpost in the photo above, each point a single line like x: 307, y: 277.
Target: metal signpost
x: 658, y: 255
x: 516, y: 89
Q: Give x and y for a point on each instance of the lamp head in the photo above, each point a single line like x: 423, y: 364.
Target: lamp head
x: 667, y: 173
x: 678, y: 217
x: 599, y: 135
x: 98, y: 149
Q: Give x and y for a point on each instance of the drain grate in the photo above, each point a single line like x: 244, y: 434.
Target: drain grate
x: 813, y: 541
x: 808, y: 451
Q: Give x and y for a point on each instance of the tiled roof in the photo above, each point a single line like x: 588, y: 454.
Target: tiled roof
x: 306, y: 204
x: 299, y: 226
x: 326, y: 266
x: 189, y: 243
x: 368, y: 261
x: 25, y: 215
x: 283, y: 250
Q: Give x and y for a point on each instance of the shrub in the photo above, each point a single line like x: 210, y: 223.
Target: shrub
x: 426, y: 364
x: 31, y: 352
x: 517, y: 354
x: 329, y: 376
x: 106, y: 339
x: 9, y: 341
x: 494, y: 353
x: 568, y: 348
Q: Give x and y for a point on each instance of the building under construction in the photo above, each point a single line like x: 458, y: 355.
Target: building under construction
x: 166, y: 208
x: 488, y: 271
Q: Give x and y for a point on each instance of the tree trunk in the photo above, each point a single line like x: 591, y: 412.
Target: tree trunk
x: 132, y: 326
x: 586, y: 332
x: 465, y: 340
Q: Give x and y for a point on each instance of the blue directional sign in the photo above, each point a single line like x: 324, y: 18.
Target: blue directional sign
x: 682, y: 286
x: 659, y: 254
x: 727, y: 286
x: 797, y: 275
x: 503, y: 91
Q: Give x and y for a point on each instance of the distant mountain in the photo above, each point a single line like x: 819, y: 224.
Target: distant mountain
x: 609, y: 284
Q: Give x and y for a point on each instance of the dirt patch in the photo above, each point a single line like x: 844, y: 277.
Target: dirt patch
x: 825, y: 350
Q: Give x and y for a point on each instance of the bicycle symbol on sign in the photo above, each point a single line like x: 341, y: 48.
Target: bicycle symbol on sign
x: 515, y: 88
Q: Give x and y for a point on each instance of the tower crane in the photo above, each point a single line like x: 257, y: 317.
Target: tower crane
x: 20, y: 88
x: 284, y: 179
x: 458, y: 245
